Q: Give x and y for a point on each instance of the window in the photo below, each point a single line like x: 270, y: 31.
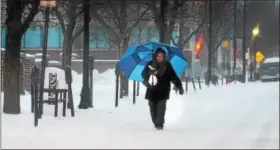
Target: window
x: 61, y: 36
x: 53, y: 37
x: 33, y: 38
x: 154, y: 35
x: 93, y: 38
x: 102, y: 42
x: 175, y: 37
x: 3, y: 37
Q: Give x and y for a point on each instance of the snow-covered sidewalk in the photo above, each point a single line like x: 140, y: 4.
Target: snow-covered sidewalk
x: 232, y: 116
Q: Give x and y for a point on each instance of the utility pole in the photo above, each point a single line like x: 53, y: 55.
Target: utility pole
x: 234, y: 39
x: 44, y: 59
x: 85, y: 93
x: 209, y: 71
x: 244, y: 62
x: 163, y: 11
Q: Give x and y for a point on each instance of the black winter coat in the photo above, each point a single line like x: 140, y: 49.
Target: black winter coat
x: 161, y: 90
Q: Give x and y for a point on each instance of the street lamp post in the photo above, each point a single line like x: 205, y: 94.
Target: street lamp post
x: 255, y: 33
x: 47, y: 4
x: 244, y: 41
x: 225, y: 46
x: 234, y: 41
x: 85, y: 93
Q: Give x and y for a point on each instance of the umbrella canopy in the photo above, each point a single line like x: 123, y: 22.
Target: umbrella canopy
x: 136, y: 57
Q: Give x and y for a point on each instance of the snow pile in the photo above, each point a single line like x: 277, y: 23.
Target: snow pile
x: 271, y: 60
x: 73, y: 54
x: 29, y: 56
x: 54, y: 62
x: 38, y: 60
x: 107, y: 77
x: 40, y: 55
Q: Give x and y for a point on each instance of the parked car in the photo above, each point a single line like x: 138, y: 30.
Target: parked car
x: 269, y: 69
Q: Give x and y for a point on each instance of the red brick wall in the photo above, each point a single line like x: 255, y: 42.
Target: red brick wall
x: 26, y: 66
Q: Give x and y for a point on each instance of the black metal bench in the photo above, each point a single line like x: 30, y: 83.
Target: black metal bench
x: 55, y: 96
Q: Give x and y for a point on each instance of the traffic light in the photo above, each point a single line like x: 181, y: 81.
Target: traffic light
x: 198, y: 46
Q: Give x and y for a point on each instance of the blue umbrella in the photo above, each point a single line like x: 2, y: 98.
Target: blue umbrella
x: 136, y: 57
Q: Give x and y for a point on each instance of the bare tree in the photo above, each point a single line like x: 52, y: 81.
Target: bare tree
x: 192, y: 17
x: 68, y: 13
x: 220, y: 25
x: 115, y: 16
x: 17, y: 24
x: 165, y: 13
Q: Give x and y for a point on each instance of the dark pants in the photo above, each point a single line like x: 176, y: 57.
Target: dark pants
x: 157, y: 110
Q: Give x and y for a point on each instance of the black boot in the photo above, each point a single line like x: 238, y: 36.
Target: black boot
x: 159, y: 127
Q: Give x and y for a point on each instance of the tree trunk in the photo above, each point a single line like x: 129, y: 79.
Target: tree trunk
x: 16, y: 27
x: 163, y: 22
x: 68, y: 41
x: 210, y: 44
x: 244, y: 44
x: 124, y: 37
x: 124, y: 87
x: 12, y: 75
x: 12, y: 59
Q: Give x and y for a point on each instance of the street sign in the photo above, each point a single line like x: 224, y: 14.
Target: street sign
x: 259, y: 57
x: 225, y: 44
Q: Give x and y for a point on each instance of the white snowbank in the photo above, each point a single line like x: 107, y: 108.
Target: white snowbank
x: 271, y: 60
x: 77, y: 60
x: 106, y: 60
x: 40, y: 55
x: 54, y: 62
x: 29, y: 56
x: 38, y: 60
x: 73, y: 54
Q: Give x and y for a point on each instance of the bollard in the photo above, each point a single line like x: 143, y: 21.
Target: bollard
x: 34, y: 92
x: 134, y: 92
x: 199, y: 84
x: 117, y: 73
x: 32, y: 99
x: 36, y: 107
x: 193, y: 85
x: 138, y: 88
x: 34, y: 82
x: 91, y: 68
x: 187, y: 82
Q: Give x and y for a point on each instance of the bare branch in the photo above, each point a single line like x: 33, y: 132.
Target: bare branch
x: 77, y: 33
x: 102, y: 21
x: 34, y: 10
x: 60, y: 19
x: 115, y: 13
x: 138, y: 20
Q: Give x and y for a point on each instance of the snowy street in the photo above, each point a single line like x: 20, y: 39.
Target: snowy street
x: 229, y: 116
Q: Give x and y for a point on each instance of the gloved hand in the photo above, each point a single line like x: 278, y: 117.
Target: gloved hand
x: 152, y: 72
x: 181, y: 91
